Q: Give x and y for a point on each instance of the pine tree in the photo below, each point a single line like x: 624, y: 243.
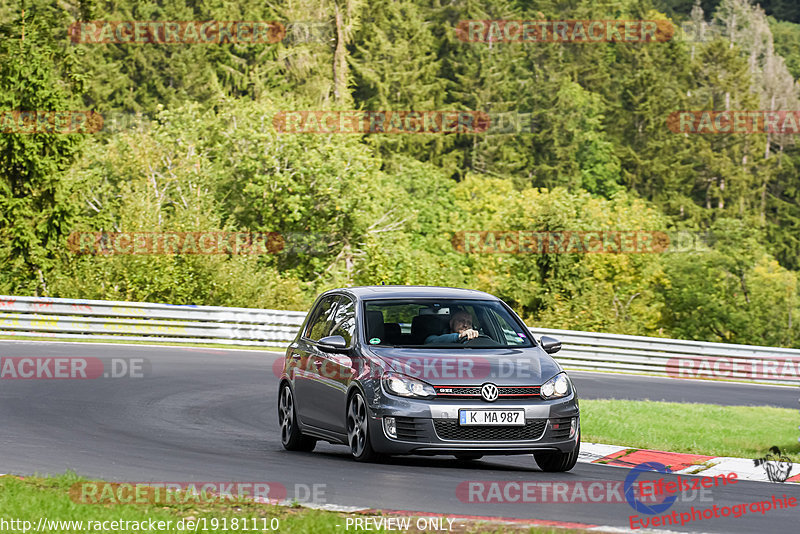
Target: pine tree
x: 36, y: 75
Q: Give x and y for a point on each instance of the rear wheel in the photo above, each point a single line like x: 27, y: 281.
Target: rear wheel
x: 291, y: 437
x: 557, y: 461
x: 358, y: 429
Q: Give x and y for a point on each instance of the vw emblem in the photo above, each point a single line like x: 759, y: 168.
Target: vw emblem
x: 489, y: 392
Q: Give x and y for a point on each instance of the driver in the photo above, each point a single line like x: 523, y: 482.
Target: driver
x: 460, y: 325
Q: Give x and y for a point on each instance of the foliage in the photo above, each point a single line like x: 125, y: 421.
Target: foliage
x: 596, y: 156
x: 36, y: 75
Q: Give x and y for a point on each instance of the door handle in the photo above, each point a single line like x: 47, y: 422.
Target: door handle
x: 317, y: 363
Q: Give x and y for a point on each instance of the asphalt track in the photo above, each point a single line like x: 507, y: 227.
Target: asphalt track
x: 210, y: 415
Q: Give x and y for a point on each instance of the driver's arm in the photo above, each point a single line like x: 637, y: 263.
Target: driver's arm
x: 444, y: 338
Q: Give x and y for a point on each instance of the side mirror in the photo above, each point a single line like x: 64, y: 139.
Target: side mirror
x: 550, y: 344
x: 332, y: 343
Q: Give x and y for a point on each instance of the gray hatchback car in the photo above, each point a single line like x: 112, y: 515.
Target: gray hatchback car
x: 426, y: 370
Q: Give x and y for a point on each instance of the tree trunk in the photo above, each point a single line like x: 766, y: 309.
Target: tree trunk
x: 339, y: 60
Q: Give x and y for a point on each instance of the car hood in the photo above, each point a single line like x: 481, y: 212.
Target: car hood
x: 524, y: 366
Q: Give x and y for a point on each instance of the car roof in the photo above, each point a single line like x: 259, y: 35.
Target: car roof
x: 390, y: 292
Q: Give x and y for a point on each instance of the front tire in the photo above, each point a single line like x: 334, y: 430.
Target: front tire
x: 291, y: 437
x: 358, y: 429
x: 557, y: 462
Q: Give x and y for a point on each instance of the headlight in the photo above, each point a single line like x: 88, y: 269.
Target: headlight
x: 405, y: 386
x: 558, y: 386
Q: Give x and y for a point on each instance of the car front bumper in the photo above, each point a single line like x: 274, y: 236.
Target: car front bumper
x: 431, y: 427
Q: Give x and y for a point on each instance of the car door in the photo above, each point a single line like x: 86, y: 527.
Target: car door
x: 336, y: 369
x: 306, y: 359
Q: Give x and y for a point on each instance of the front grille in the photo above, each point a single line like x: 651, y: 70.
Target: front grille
x: 560, y: 428
x: 475, y: 391
x: 519, y: 391
x: 456, y: 391
x: 449, y: 429
x: 408, y: 428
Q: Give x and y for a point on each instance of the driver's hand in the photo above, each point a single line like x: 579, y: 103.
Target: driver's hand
x: 469, y: 333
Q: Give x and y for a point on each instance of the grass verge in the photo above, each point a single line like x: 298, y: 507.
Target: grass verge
x: 33, y: 498
x: 739, y: 431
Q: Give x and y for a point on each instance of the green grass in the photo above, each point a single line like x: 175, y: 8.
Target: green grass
x: 739, y: 431
x: 32, y: 498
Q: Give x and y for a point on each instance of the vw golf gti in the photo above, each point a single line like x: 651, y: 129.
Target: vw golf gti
x: 426, y: 370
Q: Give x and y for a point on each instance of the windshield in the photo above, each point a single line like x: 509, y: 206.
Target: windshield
x: 442, y: 323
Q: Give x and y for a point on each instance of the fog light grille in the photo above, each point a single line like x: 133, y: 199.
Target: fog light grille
x: 409, y: 428
x: 561, y: 428
x: 449, y: 429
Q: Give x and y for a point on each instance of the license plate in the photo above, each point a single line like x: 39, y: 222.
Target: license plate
x: 515, y: 417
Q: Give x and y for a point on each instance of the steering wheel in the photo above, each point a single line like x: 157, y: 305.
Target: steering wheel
x: 481, y: 341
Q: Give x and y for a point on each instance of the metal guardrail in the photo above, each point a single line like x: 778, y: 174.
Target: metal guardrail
x: 675, y: 358
x: 98, y: 319
x: 143, y: 321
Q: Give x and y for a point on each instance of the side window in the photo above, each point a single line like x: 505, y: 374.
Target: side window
x: 344, y: 319
x: 510, y: 333
x: 320, y: 323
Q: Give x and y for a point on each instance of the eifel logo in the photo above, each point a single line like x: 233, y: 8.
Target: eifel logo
x: 777, y: 466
